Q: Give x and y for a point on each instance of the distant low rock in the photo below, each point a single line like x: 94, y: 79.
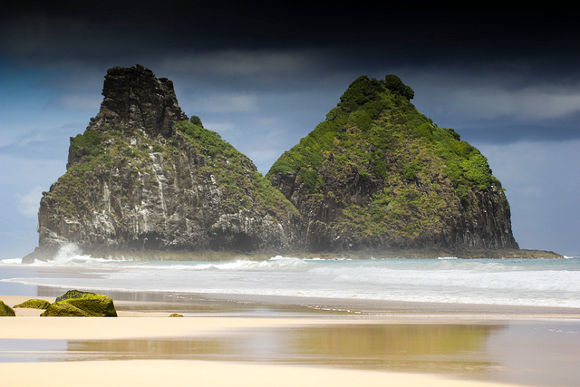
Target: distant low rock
x: 6, y: 311
x: 82, y: 304
x: 175, y: 315
x: 34, y: 303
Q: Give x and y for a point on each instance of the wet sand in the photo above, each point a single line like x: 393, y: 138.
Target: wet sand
x: 295, y: 342
x: 204, y: 373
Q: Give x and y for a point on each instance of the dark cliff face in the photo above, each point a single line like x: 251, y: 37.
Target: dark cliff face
x: 141, y: 178
x: 377, y: 174
x: 136, y: 97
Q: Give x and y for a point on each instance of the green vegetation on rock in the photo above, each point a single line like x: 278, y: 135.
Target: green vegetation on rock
x: 72, y: 294
x: 382, y: 173
x: 64, y: 309
x: 6, y: 311
x: 34, y: 304
x: 196, y: 121
x: 82, y: 304
x: 235, y: 173
x: 372, y: 122
x: 89, y: 143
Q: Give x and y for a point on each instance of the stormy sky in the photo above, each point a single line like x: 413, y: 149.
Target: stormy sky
x: 264, y: 76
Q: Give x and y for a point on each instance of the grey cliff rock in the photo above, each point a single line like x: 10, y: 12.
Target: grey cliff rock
x: 143, y: 178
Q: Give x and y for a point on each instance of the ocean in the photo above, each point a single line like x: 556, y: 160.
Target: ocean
x: 523, y: 282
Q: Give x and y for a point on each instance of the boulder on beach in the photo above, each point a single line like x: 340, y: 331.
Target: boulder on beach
x: 34, y: 303
x: 5, y: 310
x: 81, y: 304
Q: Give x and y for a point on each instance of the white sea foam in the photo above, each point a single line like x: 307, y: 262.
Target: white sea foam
x: 482, y: 281
x: 10, y: 261
x: 71, y: 255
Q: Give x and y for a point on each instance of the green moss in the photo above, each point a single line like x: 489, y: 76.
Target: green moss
x: 64, y: 309
x: 34, y: 304
x: 72, y: 294
x: 6, y: 311
x: 85, y: 305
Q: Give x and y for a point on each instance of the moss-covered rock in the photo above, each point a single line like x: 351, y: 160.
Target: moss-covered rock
x: 64, y: 309
x: 378, y: 174
x: 5, y: 310
x: 34, y: 303
x: 175, y: 315
x: 83, y: 305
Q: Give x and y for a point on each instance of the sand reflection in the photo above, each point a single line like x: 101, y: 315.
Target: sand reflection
x: 424, y: 348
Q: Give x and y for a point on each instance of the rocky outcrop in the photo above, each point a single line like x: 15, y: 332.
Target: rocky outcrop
x: 34, y: 303
x: 6, y: 311
x: 143, y: 178
x: 81, y: 304
x: 377, y: 174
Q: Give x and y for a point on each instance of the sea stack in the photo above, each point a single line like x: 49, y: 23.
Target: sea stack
x: 144, y: 178
x: 376, y: 177
x: 379, y: 175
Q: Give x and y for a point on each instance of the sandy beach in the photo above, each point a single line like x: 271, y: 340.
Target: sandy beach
x: 204, y: 373
x: 144, y: 346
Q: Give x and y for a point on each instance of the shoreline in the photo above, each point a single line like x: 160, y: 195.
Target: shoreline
x: 210, y: 255
x: 407, y: 345
x: 318, y: 305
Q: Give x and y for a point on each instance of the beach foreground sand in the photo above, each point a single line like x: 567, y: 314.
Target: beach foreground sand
x: 208, y: 373
x: 148, y: 348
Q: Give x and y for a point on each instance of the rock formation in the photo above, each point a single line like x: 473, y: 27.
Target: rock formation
x: 143, y: 178
x: 5, y: 310
x: 33, y: 303
x: 81, y: 304
x: 377, y: 174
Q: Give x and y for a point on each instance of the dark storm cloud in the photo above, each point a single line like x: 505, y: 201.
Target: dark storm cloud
x: 115, y: 27
x: 490, y: 74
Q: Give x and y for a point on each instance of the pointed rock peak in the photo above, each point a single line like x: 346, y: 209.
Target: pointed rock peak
x: 135, y: 98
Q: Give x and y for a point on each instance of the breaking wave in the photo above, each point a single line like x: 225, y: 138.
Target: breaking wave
x: 542, y: 282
